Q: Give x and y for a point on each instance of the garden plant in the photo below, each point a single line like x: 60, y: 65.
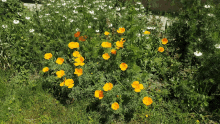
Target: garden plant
x: 107, y: 54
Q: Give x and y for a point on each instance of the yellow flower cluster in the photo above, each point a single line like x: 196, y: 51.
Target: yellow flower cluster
x: 138, y: 87
x: 164, y: 41
x: 67, y: 82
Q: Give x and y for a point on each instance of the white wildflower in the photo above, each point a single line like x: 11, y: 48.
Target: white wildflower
x: 77, y: 29
x: 40, y: 16
x: 4, y: 26
x: 211, y: 15
x: 48, y: 4
x: 138, y: 3
x: 75, y: 11
x: 110, y: 7
x: 136, y: 9
x: 217, y: 46
x: 151, y: 28
x: 47, y: 14
x: 197, y: 53
x: 207, y: 6
x: 95, y: 18
x: 27, y: 18
x: 91, y: 12
x: 71, y: 20
x: 123, y: 8
x: 118, y: 9
x: 31, y: 30
x: 96, y: 30
x: 4, y: 0
x: 16, y: 21
x: 89, y: 26
x: 57, y: 12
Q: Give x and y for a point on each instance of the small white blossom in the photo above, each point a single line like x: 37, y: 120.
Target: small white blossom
x: 95, y: 18
x: 16, y: 21
x: 217, y: 46
x: 151, y: 27
x: 31, y: 30
x: 110, y: 7
x: 19, y: 14
x: 48, y: 4
x: 64, y: 16
x: 4, y: 0
x: 64, y: 4
x: 136, y: 9
x: 77, y: 29
x: 71, y: 20
x: 4, y: 26
x: 138, y: 3
x: 89, y: 26
x: 96, y: 30
x: 40, y: 16
x: 27, y: 18
x: 58, y: 6
x: 211, y: 15
x: 207, y: 6
x: 110, y: 25
x: 91, y: 12
x: 49, y: 20
x: 47, y: 14
x: 118, y: 9
x: 123, y: 8
x: 57, y: 12
x: 197, y: 53
x: 75, y: 11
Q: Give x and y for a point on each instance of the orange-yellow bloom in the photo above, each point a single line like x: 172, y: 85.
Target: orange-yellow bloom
x: 108, y: 86
x: 105, y: 56
x: 79, y: 61
x: 135, y: 84
x: 106, y: 44
x: 81, y: 38
x: 119, y: 44
x: 45, y: 69
x: 147, y: 101
x: 76, y: 54
x: 99, y: 94
x: 121, y: 30
x: 77, y: 34
x: 48, y: 56
x: 59, y: 61
x: 115, y: 106
x: 123, y: 66
x: 113, y: 51
x: 160, y: 49
x: 146, y: 32
x: 78, y: 72
x: 72, y: 45
x: 60, y: 73
x: 164, y: 41
x: 139, y: 88
x: 69, y: 83
x: 106, y: 33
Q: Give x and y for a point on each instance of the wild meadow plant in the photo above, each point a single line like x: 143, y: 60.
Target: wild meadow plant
x: 95, y: 49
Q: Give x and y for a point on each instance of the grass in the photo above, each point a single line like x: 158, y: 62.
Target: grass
x: 24, y: 100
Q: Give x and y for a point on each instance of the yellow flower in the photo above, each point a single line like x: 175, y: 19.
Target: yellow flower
x: 147, y: 101
x: 72, y: 45
x: 197, y: 121
x: 99, y: 94
x: 160, y: 49
x: 78, y: 72
x: 45, y: 69
x: 146, y: 32
x: 121, y: 30
x: 108, y: 86
x: 76, y: 54
x: 59, y: 61
x: 79, y: 60
x: 69, y: 83
x: 119, y: 44
x: 106, y: 33
x: 122, y: 39
x: 146, y: 115
x: 77, y: 64
x: 60, y: 73
x: 106, y: 44
x: 115, y: 106
x: 164, y: 41
x: 62, y: 84
x: 123, y: 66
x: 135, y: 84
x: 105, y: 56
x: 48, y: 56
x: 113, y: 51
x: 139, y: 88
